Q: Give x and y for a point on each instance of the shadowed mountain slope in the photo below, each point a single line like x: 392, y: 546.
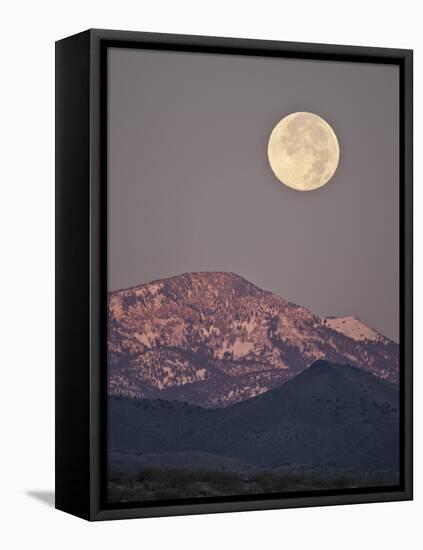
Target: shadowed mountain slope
x: 329, y: 415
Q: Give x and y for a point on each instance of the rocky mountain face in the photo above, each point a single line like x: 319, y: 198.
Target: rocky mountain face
x: 214, y: 339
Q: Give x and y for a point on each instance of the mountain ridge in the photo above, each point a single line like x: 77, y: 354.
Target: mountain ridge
x: 328, y: 415
x: 214, y: 338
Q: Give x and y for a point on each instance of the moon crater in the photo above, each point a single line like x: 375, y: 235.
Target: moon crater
x: 303, y: 151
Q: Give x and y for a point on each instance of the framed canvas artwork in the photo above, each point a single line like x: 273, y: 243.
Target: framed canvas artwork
x: 234, y: 274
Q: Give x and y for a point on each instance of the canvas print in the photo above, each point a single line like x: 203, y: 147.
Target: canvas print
x: 253, y: 276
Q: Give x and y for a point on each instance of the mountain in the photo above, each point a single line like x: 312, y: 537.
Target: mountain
x: 215, y: 339
x: 329, y: 415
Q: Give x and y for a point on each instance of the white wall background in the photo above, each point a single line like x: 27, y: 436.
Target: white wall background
x: 27, y: 37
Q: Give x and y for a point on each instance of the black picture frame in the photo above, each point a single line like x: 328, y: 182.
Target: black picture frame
x: 81, y: 289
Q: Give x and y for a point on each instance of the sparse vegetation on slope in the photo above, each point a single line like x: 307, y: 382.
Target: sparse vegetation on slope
x: 214, y: 339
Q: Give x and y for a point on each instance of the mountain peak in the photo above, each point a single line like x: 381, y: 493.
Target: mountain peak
x: 321, y: 364
x: 217, y: 278
x: 322, y: 367
x: 213, y: 339
x: 354, y: 328
x: 199, y: 280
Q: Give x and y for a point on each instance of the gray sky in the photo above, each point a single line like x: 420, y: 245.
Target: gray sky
x: 190, y: 187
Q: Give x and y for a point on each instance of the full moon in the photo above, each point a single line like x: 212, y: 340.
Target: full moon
x: 303, y: 151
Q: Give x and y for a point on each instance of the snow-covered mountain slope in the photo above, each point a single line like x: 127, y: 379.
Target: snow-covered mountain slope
x: 214, y: 339
x: 355, y: 329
